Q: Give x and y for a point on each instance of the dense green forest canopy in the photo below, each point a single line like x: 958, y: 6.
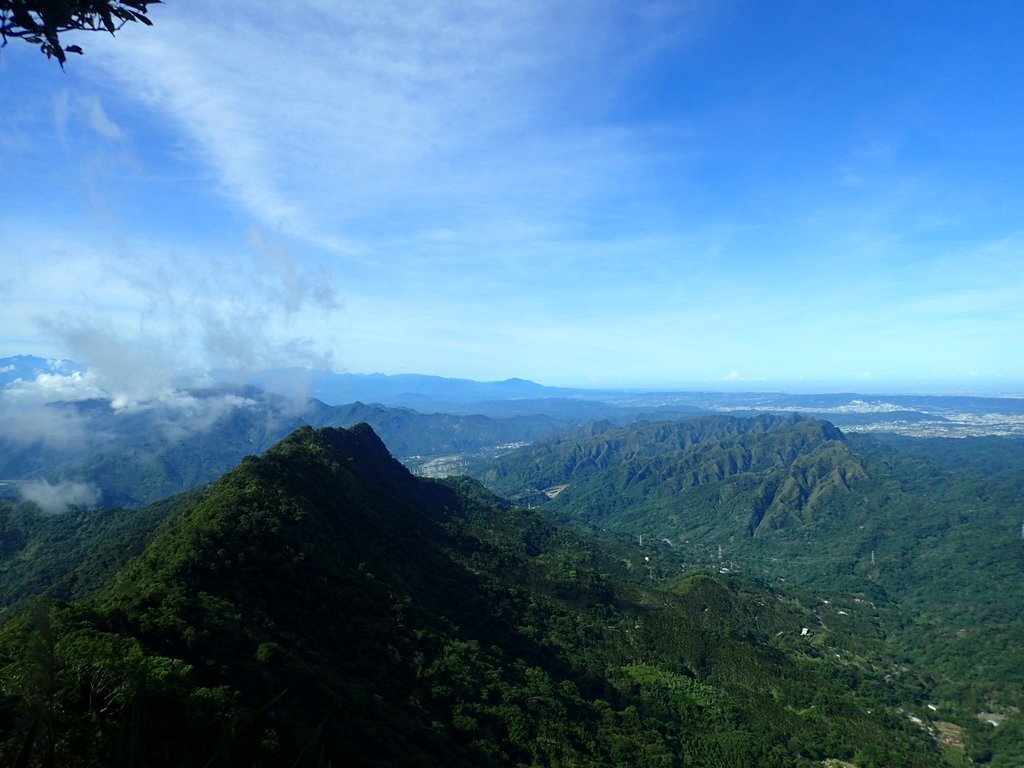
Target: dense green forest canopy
x: 320, y: 604
x: 917, y: 541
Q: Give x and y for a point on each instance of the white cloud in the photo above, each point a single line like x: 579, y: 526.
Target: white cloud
x: 57, y: 497
x: 43, y: 411
x: 83, y: 110
x: 100, y: 122
x: 498, y: 188
x: 53, y: 387
x: 140, y: 314
x: 29, y: 416
x: 338, y: 117
x: 33, y: 423
x: 363, y: 129
x: 180, y: 414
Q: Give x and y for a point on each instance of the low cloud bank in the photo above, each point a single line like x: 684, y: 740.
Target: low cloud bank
x: 25, y: 424
x: 54, y: 498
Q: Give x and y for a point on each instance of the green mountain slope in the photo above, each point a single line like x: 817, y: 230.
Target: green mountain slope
x: 321, y: 606
x: 914, y: 541
x: 408, y: 433
x: 774, y: 471
x: 70, y: 555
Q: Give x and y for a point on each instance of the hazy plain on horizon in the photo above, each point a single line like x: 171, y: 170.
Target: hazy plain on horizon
x: 732, y: 195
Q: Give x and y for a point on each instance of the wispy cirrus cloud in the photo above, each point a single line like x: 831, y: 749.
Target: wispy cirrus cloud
x: 85, y: 110
x: 142, y: 315
x: 569, y: 191
x: 336, y: 121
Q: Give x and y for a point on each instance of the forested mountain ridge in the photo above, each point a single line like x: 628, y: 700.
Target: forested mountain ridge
x: 788, y: 467
x: 320, y: 605
x: 408, y: 433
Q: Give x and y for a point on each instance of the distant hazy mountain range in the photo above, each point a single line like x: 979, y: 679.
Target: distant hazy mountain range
x: 140, y: 456
x: 922, y: 415
x: 398, y: 389
x: 63, y: 441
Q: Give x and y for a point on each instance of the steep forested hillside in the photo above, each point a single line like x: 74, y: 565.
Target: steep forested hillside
x: 916, y: 541
x: 69, y: 555
x: 321, y: 606
x: 783, y: 468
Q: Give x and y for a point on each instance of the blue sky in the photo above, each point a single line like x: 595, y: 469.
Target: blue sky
x: 741, y: 194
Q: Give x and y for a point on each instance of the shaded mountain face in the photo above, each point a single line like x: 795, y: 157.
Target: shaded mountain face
x: 320, y: 605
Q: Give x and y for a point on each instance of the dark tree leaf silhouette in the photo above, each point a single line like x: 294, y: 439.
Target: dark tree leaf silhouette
x: 42, y: 22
